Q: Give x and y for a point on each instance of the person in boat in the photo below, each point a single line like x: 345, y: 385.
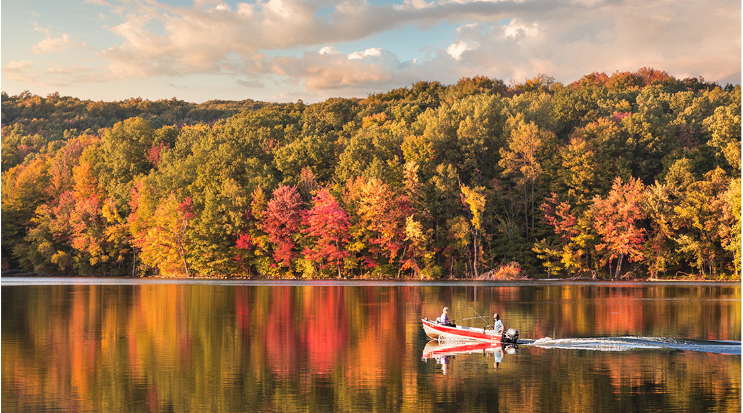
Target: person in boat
x: 444, y: 319
x: 498, y: 324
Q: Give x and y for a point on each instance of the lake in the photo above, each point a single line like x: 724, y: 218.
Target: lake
x: 90, y: 345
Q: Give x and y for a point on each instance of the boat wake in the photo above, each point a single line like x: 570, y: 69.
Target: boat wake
x: 636, y: 343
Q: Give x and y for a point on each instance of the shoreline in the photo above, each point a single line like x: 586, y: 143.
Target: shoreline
x: 17, y: 275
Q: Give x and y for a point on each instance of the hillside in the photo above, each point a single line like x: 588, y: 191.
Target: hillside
x: 632, y: 175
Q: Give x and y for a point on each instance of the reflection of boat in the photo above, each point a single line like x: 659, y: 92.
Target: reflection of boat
x: 436, y: 330
x: 436, y: 349
x: 443, y: 351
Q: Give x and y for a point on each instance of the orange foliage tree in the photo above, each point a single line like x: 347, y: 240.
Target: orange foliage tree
x: 617, y: 221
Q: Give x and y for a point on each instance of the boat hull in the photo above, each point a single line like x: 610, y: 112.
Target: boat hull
x: 438, y: 331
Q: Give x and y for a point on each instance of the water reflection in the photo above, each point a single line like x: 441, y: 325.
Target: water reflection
x: 299, y: 347
x: 442, y: 351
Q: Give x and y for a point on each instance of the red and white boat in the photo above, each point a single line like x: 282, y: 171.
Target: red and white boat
x: 439, y: 331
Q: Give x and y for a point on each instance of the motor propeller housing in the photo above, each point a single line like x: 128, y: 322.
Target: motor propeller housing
x: 512, y: 335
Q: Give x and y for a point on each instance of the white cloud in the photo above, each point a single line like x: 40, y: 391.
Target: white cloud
x: 373, y: 52
x: 353, y: 8
x: 245, y: 9
x: 58, y: 69
x: 329, y: 50
x: 56, y: 44
x: 516, y: 29
x: 413, y: 5
x: 19, y: 71
x: 456, y: 49
x: 467, y: 27
x: 358, y: 72
x: 18, y: 66
x: 52, y: 44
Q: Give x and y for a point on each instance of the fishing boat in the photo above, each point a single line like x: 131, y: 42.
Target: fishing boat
x: 438, y: 331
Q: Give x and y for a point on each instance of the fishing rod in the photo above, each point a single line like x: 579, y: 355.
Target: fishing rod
x: 478, y: 314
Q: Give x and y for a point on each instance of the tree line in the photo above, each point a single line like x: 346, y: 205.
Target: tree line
x: 629, y: 175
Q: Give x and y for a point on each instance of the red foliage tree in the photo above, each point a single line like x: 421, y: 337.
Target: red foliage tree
x: 650, y: 75
x: 559, y: 216
x: 87, y: 222
x: 329, y: 223
x: 281, y: 221
x: 156, y: 151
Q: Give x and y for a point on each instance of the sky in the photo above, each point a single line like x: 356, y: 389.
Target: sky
x: 286, y: 50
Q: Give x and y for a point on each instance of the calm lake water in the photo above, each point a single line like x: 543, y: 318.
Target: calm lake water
x: 160, y: 345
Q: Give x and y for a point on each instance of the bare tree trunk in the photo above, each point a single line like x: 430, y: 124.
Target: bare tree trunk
x: 134, y: 263
x: 526, y: 214
x: 183, y: 252
x: 474, y: 260
x: 399, y: 270
x: 619, y: 266
x: 183, y: 257
x: 532, y: 208
x: 337, y: 246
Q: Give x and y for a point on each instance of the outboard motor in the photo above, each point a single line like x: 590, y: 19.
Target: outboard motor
x: 511, y: 336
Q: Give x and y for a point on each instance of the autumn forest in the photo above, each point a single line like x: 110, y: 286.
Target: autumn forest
x: 631, y: 175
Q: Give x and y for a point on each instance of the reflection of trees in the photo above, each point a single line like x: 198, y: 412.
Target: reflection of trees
x: 324, y: 328
x: 280, y: 334
x: 290, y: 348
